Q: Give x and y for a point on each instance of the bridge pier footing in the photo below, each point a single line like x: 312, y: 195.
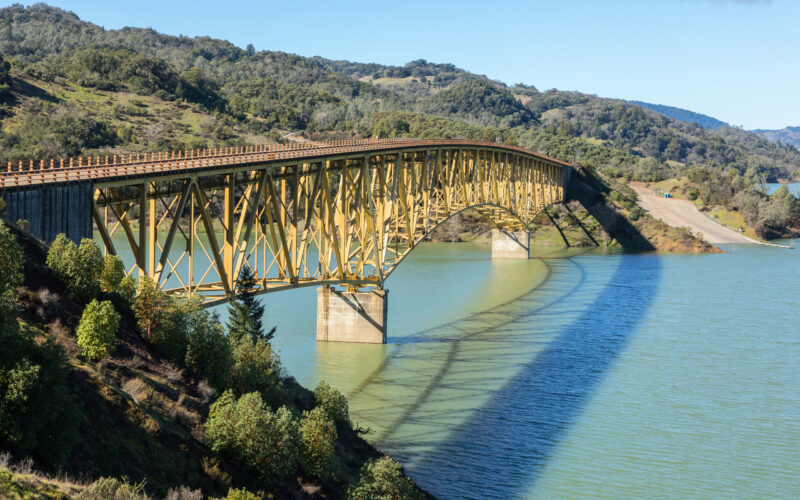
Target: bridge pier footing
x: 510, y: 244
x: 344, y: 316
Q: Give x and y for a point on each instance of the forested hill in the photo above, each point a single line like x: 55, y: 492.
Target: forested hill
x: 683, y: 115
x: 788, y: 135
x: 74, y: 88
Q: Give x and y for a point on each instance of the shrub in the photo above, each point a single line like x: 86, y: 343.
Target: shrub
x: 257, y: 367
x: 79, y: 267
x: 162, y: 319
x: 317, y: 439
x: 127, y: 289
x: 382, y: 479
x: 247, y: 431
x: 10, y: 277
x: 37, y: 412
x: 332, y: 402
x: 184, y: 493
x: 208, y: 352
x: 635, y: 213
x: 242, y: 494
x: 97, y: 330
x: 112, y: 274
x: 109, y: 488
x: 692, y: 193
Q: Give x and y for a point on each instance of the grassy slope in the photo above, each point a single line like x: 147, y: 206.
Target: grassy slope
x: 141, y: 417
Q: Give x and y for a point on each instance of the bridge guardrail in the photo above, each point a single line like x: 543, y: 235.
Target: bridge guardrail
x: 66, y: 169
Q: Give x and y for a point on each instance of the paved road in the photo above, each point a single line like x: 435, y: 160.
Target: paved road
x: 681, y: 213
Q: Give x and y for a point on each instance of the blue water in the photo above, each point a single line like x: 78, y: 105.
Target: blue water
x: 793, y: 187
x: 577, y: 375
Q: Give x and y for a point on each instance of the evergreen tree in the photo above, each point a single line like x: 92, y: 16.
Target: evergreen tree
x: 246, y: 311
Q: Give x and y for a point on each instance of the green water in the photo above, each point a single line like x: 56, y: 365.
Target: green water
x: 575, y: 375
x: 586, y: 375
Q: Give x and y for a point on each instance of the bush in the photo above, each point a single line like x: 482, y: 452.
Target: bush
x: 257, y: 368
x: 243, y: 494
x: 248, y: 432
x: 162, y: 319
x: 112, y: 275
x: 382, y: 479
x: 635, y: 213
x: 127, y: 289
x: 692, y: 193
x: 109, y: 488
x: 317, y: 439
x: 332, y: 402
x: 37, y: 412
x: 11, y: 260
x: 77, y: 266
x: 97, y: 330
x: 208, y: 352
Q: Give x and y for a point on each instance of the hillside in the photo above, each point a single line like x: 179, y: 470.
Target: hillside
x: 78, y: 88
x: 137, y: 416
x: 73, y: 88
x: 788, y: 135
x: 683, y: 115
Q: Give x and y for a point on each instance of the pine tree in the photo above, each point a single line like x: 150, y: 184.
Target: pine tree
x: 245, y: 310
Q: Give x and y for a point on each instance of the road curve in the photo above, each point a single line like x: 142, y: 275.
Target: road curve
x: 681, y: 213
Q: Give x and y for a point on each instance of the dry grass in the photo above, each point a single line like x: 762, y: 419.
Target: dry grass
x: 138, y: 390
x: 64, y: 337
x: 21, y: 480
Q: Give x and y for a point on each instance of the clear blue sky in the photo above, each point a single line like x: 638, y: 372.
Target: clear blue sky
x: 736, y: 60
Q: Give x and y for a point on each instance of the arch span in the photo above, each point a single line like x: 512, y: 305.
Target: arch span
x: 321, y: 214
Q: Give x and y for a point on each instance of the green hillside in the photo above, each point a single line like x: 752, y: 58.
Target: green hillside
x: 75, y: 88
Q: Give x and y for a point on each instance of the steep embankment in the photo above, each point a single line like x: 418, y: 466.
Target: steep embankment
x: 141, y: 417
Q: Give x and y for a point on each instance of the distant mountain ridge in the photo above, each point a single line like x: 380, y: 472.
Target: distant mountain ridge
x: 683, y: 115
x: 788, y: 135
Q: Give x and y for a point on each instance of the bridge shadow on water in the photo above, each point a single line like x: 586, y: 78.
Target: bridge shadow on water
x: 501, y: 448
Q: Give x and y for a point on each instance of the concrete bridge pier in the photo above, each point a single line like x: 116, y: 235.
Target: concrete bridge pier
x: 344, y: 316
x: 510, y: 244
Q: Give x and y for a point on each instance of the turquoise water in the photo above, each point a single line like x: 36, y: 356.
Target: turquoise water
x: 576, y: 374
x: 601, y: 375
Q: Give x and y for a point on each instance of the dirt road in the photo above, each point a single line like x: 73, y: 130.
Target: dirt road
x: 681, y: 213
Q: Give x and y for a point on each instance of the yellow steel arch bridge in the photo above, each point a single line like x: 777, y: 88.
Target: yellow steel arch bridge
x: 341, y: 213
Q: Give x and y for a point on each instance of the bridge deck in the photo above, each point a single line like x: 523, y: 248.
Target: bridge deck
x: 109, y: 168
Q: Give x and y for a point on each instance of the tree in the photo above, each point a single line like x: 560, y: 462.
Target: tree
x: 247, y: 431
x: 79, y: 267
x: 5, y: 79
x: 332, y: 402
x: 112, y: 274
x: 317, y: 439
x: 257, y: 368
x: 151, y: 308
x: 245, y: 311
x: 11, y: 260
x: 97, y: 330
x: 382, y: 479
x: 208, y: 352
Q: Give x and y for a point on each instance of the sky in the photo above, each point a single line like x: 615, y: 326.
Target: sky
x: 736, y: 60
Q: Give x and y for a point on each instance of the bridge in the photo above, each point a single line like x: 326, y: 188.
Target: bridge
x: 339, y: 214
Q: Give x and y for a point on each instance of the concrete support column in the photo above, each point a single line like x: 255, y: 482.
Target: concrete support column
x: 351, y: 316
x: 510, y: 244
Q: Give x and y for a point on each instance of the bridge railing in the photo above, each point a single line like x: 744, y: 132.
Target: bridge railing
x: 101, y: 167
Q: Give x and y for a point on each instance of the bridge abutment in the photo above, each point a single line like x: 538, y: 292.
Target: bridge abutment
x: 344, y: 316
x: 510, y: 244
